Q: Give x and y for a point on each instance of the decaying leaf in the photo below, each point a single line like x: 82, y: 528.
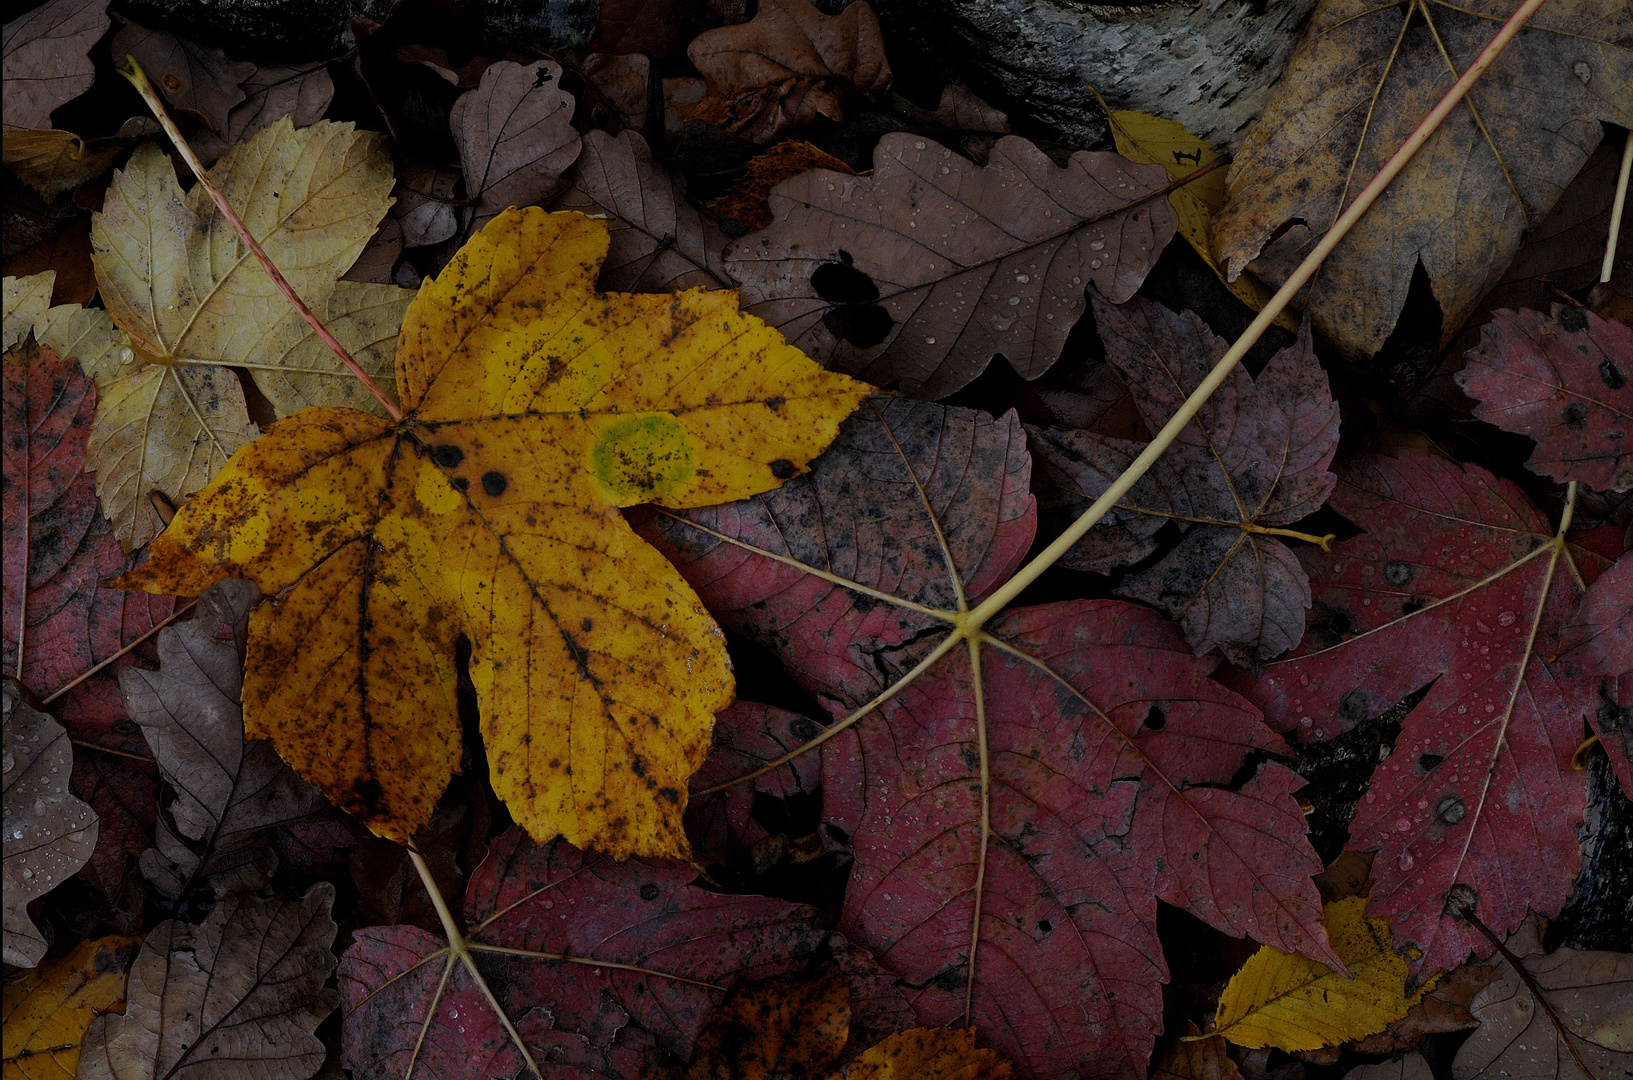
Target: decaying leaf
x: 1359, y: 81
x: 1106, y: 749
x: 195, y: 304
x: 49, y: 833
x: 787, y: 66
x: 535, y: 408
x: 516, y: 137
x: 660, y: 242
x: 197, y: 79
x: 924, y: 270
x: 747, y: 205
x: 229, y: 794
x: 1198, y: 1057
x: 239, y: 995
x: 26, y: 300
x: 53, y: 161
x: 592, y: 959
x: 1291, y: 1002
x: 60, y: 621
x: 1567, y: 382
x: 930, y: 1054
x: 1591, y: 993
x: 788, y: 1025
x: 623, y: 84
x: 301, y: 92
x: 1600, y: 639
x: 1410, y: 1066
x: 1252, y: 462
x: 958, y: 109
x: 45, y: 59
x: 49, y: 1007
x: 1458, y: 584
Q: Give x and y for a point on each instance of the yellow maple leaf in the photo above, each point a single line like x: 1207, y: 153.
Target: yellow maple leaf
x: 49, y: 1008
x: 1153, y: 140
x: 194, y: 305
x: 534, y: 408
x: 1294, y: 1003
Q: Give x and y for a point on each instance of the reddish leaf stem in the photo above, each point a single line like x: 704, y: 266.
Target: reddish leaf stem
x: 138, y: 79
x: 1341, y: 228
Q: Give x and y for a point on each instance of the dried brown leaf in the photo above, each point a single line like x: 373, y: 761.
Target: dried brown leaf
x: 45, y: 59
x: 787, y: 66
x: 660, y: 242
x: 425, y: 203
x: 958, y: 110
x: 1203, y: 1059
x: 1359, y: 81
x: 301, y: 92
x: 624, y: 84
x: 53, y: 161
x: 49, y: 833
x: 196, y: 79
x: 924, y: 270
x: 516, y: 137
x: 229, y: 793
x: 237, y: 996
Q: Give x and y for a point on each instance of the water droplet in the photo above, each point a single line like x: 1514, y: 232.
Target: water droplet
x: 1097, y: 244
x: 917, y: 145
x: 1094, y: 264
x: 10, y: 761
x: 39, y: 806
x: 930, y: 341
x: 1023, y: 278
x: 1013, y: 300
x: 28, y: 874
x: 1506, y: 618
x: 1406, y: 860
x: 1402, y: 824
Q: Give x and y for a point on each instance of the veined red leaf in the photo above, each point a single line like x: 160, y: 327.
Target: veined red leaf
x: 593, y: 960
x: 1457, y: 584
x: 1087, y: 735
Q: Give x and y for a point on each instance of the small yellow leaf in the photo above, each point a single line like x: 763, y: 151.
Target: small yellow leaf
x: 49, y: 1008
x: 86, y: 334
x: 535, y: 408
x: 196, y: 304
x: 930, y: 1054
x: 26, y: 299
x: 1293, y: 1003
x: 1153, y: 140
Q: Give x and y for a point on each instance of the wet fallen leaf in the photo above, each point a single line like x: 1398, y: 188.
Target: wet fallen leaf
x: 1408, y: 1067
x: 425, y: 204
x: 747, y: 204
x: 623, y: 85
x: 1145, y: 138
x: 787, y: 66
x: 1291, y: 1002
x: 593, y: 961
x: 1253, y: 461
x: 930, y: 1054
x: 239, y: 995
x: 791, y: 1025
x: 1590, y: 992
x: 229, y: 794
x: 660, y: 242
x: 49, y: 1007
x: 1459, y: 584
x: 1600, y: 640
x: 1359, y: 81
x: 924, y: 270
x: 195, y: 305
x: 1096, y: 731
x: 491, y: 510
x: 45, y: 58
x: 879, y: 1008
x: 1567, y: 382
x: 53, y: 161
x: 196, y: 79
x: 516, y: 137
x: 49, y: 833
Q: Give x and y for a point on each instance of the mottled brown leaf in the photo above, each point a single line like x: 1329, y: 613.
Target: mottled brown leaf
x: 515, y: 135
x: 196, y: 79
x: 921, y: 272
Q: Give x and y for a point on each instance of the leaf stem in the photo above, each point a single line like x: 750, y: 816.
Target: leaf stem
x: 1616, y: 208
x: 127, y: 647
x: 1284, y: 295
x: 459, y: 949
x: 1467, y: 913
x: 138, y: 78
